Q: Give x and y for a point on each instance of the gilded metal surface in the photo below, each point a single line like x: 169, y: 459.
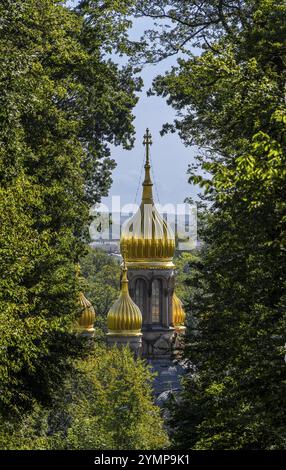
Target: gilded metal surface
x: 146, y: 237
x: 179, y: 314
x: 87, y: 317
x: 124, y: 318
x: 151, y: 264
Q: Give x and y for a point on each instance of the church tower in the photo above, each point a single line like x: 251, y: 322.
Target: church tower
x: 124, y: 319
x: 148, y: 245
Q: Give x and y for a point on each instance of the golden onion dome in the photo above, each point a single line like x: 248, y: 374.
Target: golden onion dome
x: 146, y: 238
x: 124, y: 317
x: 179, y: 314
x: 86, y: 320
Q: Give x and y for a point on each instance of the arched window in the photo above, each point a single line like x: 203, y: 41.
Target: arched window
x: 140, y: 295
x: 156, y: 301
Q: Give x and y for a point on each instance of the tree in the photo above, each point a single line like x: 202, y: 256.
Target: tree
x: 105, y: 404
x: 102, y: 275
x: 188, y: 288
x: 187, y: 26
x: 63, y: 102
x: 230, y: 101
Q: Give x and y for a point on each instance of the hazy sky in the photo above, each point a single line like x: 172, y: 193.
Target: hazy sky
x: 170, y: 158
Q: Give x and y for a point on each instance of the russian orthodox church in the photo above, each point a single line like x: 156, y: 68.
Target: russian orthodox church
x: 148, y: 315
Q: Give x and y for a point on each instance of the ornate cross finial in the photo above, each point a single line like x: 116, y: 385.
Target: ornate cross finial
x: 147, y: 141
x: 147, y: 196
x: 124, y: 278
x: 124, y: 253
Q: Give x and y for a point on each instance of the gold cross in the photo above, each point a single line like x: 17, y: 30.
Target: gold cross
x: 124, y: 254
x: 147, y: 141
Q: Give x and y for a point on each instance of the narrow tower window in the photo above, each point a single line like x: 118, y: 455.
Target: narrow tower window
x: 140, y: 295
x: 156, y: 301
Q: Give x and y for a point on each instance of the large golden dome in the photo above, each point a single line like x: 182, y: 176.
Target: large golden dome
x: 146, y: 238
x: 124, y: 317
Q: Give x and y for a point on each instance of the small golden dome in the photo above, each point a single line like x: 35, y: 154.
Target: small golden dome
x: 146, y: 238
x: 87, y: 317
x: 179, y: 314
x: 124, y: 317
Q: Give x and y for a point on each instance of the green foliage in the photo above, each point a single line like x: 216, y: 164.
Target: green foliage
x: 63, y: 102
x: 182, y: 24
x: 102, y: 274
x: 105, y: 404
x: 230, y: 101
x: 37, y: 307
x: 112, y: 392
x: 30, y: 432
x: 188, y: 286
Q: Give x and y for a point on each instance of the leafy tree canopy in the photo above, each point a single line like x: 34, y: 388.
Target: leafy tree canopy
x: 102, y: 275
x: 229, y: 96
x: 105, y: 404
x: 63, y: 102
